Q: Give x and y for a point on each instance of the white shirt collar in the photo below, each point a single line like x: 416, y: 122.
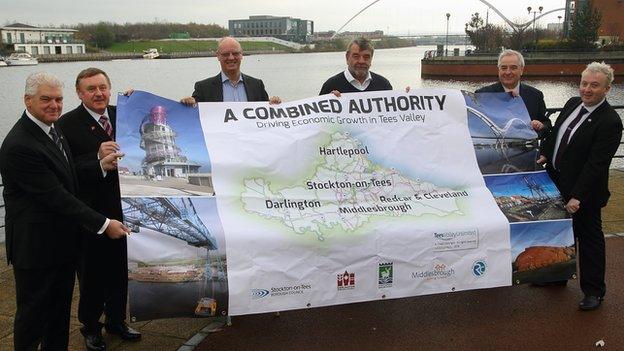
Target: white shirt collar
x: 351, y: 78
x: 515, y: 90
x: 225, y: 78
x: 591, y: 109
x: 96, y: 115
x: 46, y: 128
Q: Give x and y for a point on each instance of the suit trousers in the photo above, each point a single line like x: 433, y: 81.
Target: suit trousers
x: 43, y: 307
x: 587, y: 224
x: 103, y: 275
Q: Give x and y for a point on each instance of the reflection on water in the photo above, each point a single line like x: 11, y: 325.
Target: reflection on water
x: 290, y: 76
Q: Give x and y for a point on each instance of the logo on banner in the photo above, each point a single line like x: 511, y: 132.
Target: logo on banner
x: 385, y: 276
x: 280, y: 291
x: 259, y: 293
x: 439, y: 271
x: 346, y: 281
x: 478, y: 268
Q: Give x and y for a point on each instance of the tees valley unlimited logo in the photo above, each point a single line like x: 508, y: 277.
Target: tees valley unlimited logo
x: 345, y: 281
x: 385, y: 276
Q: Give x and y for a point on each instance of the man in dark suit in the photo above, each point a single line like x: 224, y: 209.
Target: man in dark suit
x: 103, y: 271
x: 510, y: 68
x: 357, y: 77
x: 230, y: 85
x: 43, y: 217
x: 578, y: 152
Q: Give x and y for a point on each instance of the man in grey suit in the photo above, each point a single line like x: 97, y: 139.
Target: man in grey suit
x: 230, y: 85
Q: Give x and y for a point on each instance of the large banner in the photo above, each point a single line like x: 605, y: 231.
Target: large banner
x: 249, y: 207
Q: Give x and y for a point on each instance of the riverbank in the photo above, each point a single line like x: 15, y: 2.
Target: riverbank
x: 537, y: 65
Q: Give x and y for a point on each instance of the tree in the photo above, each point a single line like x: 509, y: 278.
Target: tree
x: 585, y: 25
x: 485, y: 38
x: 103, y: 37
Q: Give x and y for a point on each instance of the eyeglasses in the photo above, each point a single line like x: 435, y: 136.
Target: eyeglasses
x: 227, y: 54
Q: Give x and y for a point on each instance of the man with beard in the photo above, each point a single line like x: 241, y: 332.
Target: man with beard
x: 357, y: 76
x: 103, y: 270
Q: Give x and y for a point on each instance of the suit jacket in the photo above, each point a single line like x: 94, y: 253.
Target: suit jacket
x: 583, y: 171
x: 42, y: 213
x: 211, y: 89
x: 84, y: 136
x: 533, y: 100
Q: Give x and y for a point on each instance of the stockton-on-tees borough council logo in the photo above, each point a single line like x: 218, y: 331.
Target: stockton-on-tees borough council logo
x: 345, y: 281
x: 385, y: 276
x: 479, y: 268
x: 259, y: 293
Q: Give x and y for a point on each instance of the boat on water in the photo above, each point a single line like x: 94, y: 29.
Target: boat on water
x: 21, y: 59
x: 150, y: 53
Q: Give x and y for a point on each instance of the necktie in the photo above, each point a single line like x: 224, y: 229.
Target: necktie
x: 57, y: 140
x: 563, y: 144
x: 106, y: 125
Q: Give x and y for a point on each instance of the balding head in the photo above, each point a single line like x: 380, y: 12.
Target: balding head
x: 230, y: 55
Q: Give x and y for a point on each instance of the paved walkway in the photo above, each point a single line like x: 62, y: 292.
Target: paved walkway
x: 511, y: 318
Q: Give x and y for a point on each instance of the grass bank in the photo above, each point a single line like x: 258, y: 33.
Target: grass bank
x: 169, y: 46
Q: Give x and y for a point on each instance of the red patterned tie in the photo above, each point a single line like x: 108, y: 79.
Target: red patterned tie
x: 106, y: 125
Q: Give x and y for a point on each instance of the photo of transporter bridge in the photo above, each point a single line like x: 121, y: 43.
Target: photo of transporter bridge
x: 174, y: 260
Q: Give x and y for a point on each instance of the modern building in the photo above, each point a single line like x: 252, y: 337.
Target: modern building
x: 41, y: 41
x: 285, y: 28
x: 612, y: 23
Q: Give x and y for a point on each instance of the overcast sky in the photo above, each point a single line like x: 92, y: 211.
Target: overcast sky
x: 393, y: 16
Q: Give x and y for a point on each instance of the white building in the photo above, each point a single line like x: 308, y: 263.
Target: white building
x: 40, y: 41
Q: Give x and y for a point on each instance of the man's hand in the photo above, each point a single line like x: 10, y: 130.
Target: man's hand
x: 109, y: 163
x: 106, y: 148
x: 573, y: 205
x: 537, y: 125
x: 541, y: 160
x: 188, y: 101
x: 128, y: 92
x: 336, y: 93
x: 116, y: 229
x: 274, y: 100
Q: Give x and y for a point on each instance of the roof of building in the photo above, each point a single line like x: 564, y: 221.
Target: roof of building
x: 23, y: 26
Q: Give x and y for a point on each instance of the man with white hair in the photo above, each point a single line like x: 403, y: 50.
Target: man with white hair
x: 577, y: 154
x: 43, y: 217
x: 510, y: 69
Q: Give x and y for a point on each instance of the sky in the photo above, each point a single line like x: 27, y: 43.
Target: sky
x: 391, y: 16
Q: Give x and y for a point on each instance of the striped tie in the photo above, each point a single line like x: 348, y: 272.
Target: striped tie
x: 57, y: 140
x: 106, y: 125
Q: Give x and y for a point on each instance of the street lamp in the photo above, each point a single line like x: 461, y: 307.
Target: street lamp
x: 448, y: 15
x: 465, y: 38
x: 534, y: 12
x: 559, y: 28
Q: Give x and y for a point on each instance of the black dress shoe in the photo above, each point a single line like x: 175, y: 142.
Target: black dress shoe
x: 93, y: 341
x: 123, y: 331
x: 590, y: 303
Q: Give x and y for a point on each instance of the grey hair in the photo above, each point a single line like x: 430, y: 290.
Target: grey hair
x: 35, y: 80
x: 363, y: 44
x: 509, y: 52
x: 600, y: 67
x: 224, y: 39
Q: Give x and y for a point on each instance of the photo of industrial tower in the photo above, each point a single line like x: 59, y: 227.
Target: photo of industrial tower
x: 165, y: 152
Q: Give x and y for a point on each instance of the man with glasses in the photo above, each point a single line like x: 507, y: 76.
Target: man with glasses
x: 230, y: 85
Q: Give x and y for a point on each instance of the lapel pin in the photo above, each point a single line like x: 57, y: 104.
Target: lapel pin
x: 92, y: 127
